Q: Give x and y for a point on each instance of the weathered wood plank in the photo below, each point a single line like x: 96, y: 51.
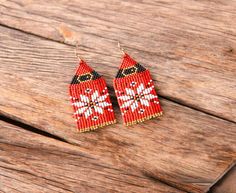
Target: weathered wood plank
x: 30, y: 162
x: 227, y: 183
x: 186, y: 148
x: 190, y: 45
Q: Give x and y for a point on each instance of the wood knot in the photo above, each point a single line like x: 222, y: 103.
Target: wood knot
x: 230, y: 50
x: 68, y: 35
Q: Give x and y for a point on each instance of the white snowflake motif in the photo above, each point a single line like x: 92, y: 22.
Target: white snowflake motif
x: 94, y: 103
x: 133, y: 98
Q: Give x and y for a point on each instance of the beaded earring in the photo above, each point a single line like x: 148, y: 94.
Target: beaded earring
x: 135, y: 92
x: 90, y: 99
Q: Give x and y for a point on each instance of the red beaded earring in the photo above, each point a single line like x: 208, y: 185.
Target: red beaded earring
x: 90, y: 99
x: 135, y: 92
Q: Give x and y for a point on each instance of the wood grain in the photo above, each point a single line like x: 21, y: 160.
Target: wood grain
x: 185, y: 148
x: 188, y: 45
x: 227, y: 183
x: 33, y: 163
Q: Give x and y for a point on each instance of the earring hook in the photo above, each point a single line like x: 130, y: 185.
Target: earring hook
x: 76, y: 51
x: 121, y: 49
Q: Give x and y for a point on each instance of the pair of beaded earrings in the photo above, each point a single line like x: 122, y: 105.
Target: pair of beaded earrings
x: 134, y: 89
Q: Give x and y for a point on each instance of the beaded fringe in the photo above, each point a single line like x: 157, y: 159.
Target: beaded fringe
x: 144, y: 119
x: 96, y: 127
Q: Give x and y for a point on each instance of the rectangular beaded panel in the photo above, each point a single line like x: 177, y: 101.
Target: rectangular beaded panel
x: 135, y: 92
x: 90, y: 99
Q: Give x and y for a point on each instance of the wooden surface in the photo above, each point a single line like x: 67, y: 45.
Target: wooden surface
x: 189, y: 47
x: 227, y: 183
x: 55, y: 166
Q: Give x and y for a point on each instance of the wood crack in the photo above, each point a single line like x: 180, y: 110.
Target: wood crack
x: 30, y: 128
